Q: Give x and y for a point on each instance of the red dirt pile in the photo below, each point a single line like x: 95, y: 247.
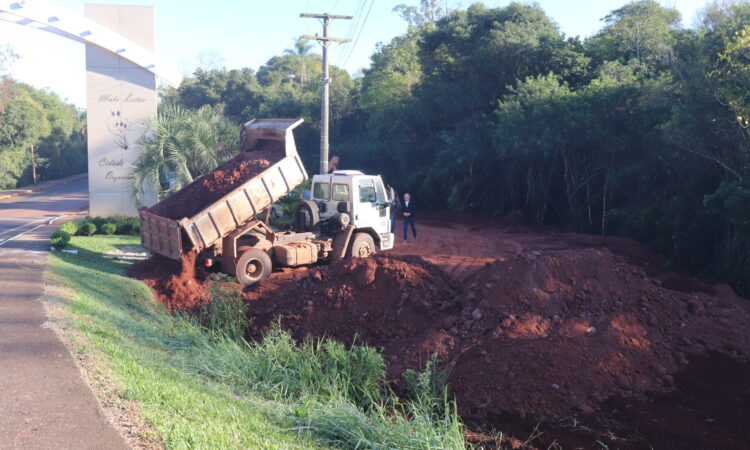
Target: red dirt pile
x: 204, y: 191
x: 559, y: 325
x: 395, y: 303
x: 553, y: 334
x: 174, y: 283
x: 561, y: 332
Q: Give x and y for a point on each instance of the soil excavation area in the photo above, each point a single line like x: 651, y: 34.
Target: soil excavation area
x: 590, y: 338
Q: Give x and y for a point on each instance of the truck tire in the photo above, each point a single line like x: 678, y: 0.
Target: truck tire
x: 306, y: 215
x: 362, y: 246
x: 252, y: 266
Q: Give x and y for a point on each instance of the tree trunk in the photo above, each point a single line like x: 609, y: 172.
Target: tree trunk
x: 604, y: 204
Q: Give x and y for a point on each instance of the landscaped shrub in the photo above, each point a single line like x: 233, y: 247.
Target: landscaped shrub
x: 69, y: 227
x: 108, y: 228
x: 59, y: 238
x: 128, y: 225
x: 122, y: 224
x: 87, y: 229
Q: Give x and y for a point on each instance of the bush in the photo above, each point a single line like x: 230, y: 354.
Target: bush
x: 60, y: 238
x: 69, y: 227
x: 122, y: 224
x: 128, y: 225
x: 108, y: 228
x: 88, y: 228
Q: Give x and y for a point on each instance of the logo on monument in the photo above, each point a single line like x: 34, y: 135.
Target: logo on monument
x: 119, y: 127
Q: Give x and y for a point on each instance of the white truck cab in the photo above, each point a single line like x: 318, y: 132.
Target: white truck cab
x: 362, y: 197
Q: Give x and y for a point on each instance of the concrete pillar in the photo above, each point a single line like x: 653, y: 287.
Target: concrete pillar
x: 120, y: 96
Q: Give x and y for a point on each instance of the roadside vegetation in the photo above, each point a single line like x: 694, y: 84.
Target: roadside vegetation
x: 195, y: 382
x: 41, y: 136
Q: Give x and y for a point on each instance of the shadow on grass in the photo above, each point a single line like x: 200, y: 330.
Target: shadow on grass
x: 97, y: 259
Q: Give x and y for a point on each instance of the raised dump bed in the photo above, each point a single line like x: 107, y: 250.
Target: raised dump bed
x: 210, y: 208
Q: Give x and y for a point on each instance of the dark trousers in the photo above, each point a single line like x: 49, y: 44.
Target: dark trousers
x: 409, y: 221
x: 393, y: 224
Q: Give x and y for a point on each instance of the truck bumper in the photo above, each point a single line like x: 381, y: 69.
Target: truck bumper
x: 386, y: 241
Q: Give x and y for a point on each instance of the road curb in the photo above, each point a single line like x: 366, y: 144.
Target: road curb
x: 42, y: 188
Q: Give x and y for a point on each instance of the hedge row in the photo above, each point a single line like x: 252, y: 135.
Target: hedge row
x: 89, y: 226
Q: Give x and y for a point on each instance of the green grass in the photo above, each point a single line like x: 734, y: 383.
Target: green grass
x: 197, y: 384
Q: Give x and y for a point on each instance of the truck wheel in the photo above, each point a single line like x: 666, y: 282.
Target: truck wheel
x: 306, y: 215
x: 362, y: 246
x: 252, y: 266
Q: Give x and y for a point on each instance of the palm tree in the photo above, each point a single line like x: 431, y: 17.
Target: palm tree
x: 301, y: 49
x: 179, y: 146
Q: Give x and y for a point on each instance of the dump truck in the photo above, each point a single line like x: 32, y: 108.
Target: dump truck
x: 347, y: 216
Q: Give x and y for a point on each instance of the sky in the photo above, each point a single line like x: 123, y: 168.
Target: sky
x: 246, y: 33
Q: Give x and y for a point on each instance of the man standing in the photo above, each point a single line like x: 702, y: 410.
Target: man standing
x: 407, y: 210
x: 395, y: 208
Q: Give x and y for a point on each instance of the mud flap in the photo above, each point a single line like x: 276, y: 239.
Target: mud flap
x: 341, y: 243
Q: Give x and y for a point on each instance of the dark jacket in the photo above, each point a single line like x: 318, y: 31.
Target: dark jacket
x: 409, y: 209
x: 395, y: 206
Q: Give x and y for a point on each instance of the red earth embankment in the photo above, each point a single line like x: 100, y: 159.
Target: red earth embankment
x: 536, y: 326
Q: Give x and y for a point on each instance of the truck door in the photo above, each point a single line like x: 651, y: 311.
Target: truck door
x: 368, y: 214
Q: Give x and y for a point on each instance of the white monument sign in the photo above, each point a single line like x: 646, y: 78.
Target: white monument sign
x: 120, y: 96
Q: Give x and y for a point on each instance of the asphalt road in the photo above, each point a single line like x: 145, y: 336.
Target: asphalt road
x: 22, y: 216
x: 44, y: 402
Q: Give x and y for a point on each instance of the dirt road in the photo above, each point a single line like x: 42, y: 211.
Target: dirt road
x: 44, y: 401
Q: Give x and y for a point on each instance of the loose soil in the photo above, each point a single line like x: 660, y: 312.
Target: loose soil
x: 177, y: 284
x: 591, y: 338
x: 204, y: 191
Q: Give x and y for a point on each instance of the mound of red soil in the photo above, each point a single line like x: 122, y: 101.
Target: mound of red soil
x: 394, y: 303
x: 174, y: 283
x: 558, y: 334
x: 558, y: 326
x: 204, y: 191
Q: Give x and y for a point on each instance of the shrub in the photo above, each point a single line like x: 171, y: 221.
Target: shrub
x: 60, y: 238
x: 128, y: 225
x: 69, y: 227
x: 88, y: 228
x: 108, y: 228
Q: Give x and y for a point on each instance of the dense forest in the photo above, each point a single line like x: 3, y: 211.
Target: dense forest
x: 640, y: 130
x: 41, y: 137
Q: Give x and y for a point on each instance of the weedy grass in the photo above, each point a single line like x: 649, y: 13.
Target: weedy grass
x: 199, y: 384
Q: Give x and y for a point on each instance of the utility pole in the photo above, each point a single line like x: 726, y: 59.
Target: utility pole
x: 324, y: 41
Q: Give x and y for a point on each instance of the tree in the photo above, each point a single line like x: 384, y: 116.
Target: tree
x: 24, y: 124
x: 641, y: 30
x: 428, y: 12
x: 179, y: 146
x: 302, y: 48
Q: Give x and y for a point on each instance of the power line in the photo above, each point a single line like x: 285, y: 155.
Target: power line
x: 352, y: 30
x: 364, y: 22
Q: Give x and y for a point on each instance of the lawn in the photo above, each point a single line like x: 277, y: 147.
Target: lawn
x: 180, y: 385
